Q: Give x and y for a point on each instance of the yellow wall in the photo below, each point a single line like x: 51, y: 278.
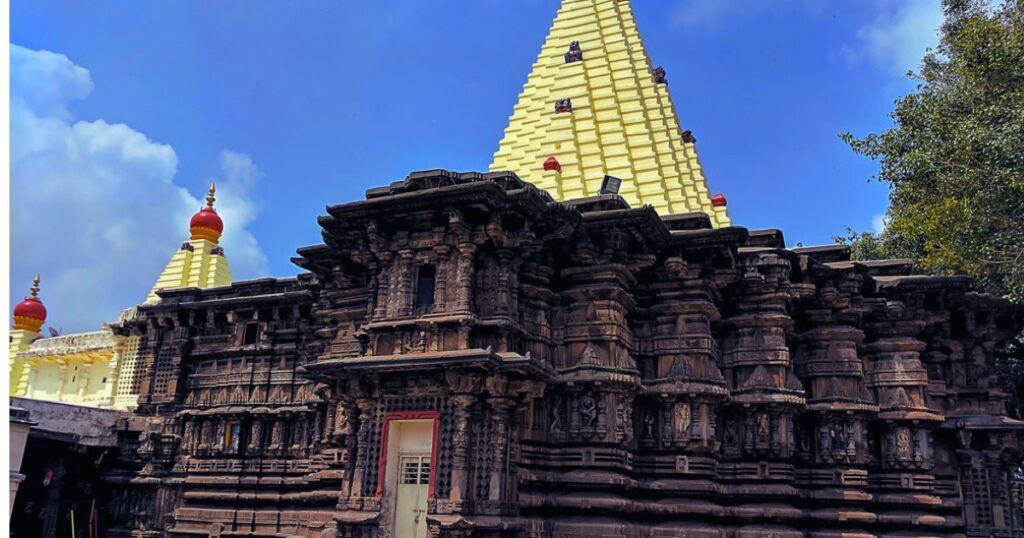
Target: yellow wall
x: 82, y: 369
x: 21, y: 340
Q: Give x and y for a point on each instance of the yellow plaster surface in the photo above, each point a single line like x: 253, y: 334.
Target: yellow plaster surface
x: 21, y: 340
x: 81, y: 368
x: 198, y: 268
x: 622, y: 123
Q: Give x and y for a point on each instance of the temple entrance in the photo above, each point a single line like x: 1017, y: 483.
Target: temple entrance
x: 409, y: 467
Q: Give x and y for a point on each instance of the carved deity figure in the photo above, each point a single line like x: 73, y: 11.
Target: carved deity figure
x: 341, y: 424
x: 556, y: 416
x: 277, y: 434
x: 589, y: 355
x: 763, y: 428
x: 682, y: 422
x: 730, y: 436
x: 648, y: 424
x: 588, y: 410
x: 903, y: 448
x: 419, y: 344
x: 255, y: 436
x: 837, y: 436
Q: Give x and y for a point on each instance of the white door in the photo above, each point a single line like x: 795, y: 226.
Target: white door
x: 411, y: 502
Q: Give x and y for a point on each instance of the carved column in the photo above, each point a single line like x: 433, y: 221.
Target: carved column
x: 460, y: 448
x: 383, y: 277
x: 441, y: 278
x: 500, y: 442
x: 465, y: 277
x: 366, y: 415
x: 405, y: 284
x: 504, y: 295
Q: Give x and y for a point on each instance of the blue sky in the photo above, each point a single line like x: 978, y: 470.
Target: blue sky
x: 292, y: 106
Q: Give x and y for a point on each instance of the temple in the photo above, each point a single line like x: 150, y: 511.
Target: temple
x: 520, y: 353
x: 98, y: 368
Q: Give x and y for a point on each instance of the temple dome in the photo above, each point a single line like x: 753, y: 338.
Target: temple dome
x: 206, y: 224
x: 30, y: 314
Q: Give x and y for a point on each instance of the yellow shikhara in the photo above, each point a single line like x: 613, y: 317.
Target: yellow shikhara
x: 200, y: 262
x: 622, y: 122
x: 194, y: 266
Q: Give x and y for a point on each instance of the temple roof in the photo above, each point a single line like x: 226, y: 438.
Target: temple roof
x: 594, y: 105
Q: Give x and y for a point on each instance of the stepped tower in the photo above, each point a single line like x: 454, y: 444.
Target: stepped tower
x: 200, y: 262
x: 593, y: 106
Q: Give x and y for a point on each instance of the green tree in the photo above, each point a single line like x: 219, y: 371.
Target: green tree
x: 954, y: 158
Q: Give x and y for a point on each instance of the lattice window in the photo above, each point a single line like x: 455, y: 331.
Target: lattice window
x: 126, y: 385
x: 982, y: 496
x: 164, y: 366
x: 135, y: 382
x: 483, y: 456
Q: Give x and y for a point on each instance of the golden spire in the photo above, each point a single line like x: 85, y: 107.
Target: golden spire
x: 210, y: 197
x: 35, y: 287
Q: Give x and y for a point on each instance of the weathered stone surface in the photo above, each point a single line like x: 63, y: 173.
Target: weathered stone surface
x: 594, y: 370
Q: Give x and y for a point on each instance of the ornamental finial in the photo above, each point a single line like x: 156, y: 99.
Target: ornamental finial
x: 35, y: 287
x: 210, y: 196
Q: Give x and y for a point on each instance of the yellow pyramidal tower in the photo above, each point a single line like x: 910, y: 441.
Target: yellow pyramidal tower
x: 200, y: 262
x: 594, y: 106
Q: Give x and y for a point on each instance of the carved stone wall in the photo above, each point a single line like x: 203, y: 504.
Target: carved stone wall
x: 594, y: 370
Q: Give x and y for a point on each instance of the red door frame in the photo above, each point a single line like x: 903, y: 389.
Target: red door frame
x: 382, y: 460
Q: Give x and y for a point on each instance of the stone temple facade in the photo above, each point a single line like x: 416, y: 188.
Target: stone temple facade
x: 468, y: 357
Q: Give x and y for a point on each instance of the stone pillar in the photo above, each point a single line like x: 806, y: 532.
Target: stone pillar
x: 465, y: 277
x: 406, y: 291
x: 460, y: 449
x: 366, y: 416
x: 383, y: 277
x: 504, y: 295
x: 441, y: 278
x: 343, y: 426
x: 500, y: 442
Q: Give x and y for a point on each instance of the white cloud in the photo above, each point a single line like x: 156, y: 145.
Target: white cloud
x: 237, y: 208
x: 897, y: 38
x: 94, y: 206
x: 878, y: 223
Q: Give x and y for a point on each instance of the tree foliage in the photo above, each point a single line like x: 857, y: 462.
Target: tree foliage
x: 954, y: 158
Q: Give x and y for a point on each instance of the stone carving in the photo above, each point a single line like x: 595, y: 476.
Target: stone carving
x: 725, y: 339
x: 764, y: 431
x: 587, y: 407
x: 682, y: 421
x: 903, y: 443
x: 589, y: 357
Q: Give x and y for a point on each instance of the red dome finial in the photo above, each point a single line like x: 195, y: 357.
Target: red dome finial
x: 718, y: 200
x: 206, y: 224
x: 30, y: 314
x: 552, y: 164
